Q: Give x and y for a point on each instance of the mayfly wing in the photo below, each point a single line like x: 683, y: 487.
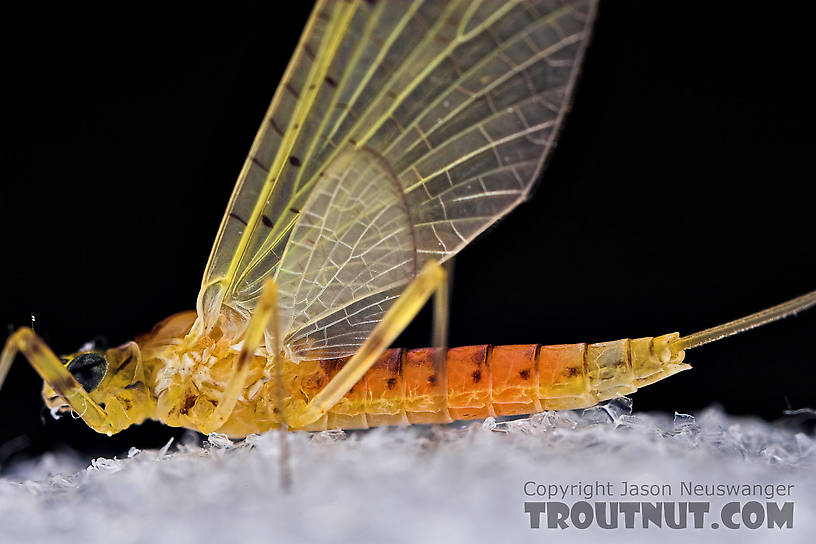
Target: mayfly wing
x: 263, y: 205
x: 372, y: 218
x: 352, y: 248
x: 406, y: 129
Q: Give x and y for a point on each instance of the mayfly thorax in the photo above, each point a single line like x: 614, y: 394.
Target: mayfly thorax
x: 399, y: 133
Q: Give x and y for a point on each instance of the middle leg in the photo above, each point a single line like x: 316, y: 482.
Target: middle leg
x: 265, y: 311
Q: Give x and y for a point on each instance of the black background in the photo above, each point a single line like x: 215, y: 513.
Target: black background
x: 678, y: 196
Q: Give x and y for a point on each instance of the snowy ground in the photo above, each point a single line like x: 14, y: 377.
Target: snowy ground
x: 453, y: 484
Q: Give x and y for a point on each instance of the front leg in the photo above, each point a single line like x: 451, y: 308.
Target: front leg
x: 55, y: 375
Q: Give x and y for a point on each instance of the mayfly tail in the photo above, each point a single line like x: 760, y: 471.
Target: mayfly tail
x: 768, y: 315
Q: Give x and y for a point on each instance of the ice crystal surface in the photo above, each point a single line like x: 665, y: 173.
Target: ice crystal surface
x: 461, y: 483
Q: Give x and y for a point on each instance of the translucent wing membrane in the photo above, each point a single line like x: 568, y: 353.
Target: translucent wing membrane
x: 401, y: 131
x: 354, y: 239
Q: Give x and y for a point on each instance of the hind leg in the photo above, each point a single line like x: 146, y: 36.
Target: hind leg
x: 430, y: 279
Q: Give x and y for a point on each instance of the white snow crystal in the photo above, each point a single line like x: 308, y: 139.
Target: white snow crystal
x: 459, y: 483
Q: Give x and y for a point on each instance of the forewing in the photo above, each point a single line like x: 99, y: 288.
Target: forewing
x: 264, y: 203
x: 456, y: 104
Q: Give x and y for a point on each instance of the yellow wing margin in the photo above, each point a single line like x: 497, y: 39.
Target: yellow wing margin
x: 461, y: 100
x: 261, y: 195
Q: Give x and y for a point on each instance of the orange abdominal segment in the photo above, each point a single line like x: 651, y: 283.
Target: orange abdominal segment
x: 403, y: 388
x: 423, y: 402
x: 469, y: 379
x: 514, y: 373
x: 385, y: 387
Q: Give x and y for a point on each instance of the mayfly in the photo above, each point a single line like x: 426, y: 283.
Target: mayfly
x: 401, y: 131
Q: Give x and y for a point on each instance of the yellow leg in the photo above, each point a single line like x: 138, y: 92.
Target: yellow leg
x: 430, y: 279
x: 53, y: 371
x: 266, y: 310
x: 440, y: 340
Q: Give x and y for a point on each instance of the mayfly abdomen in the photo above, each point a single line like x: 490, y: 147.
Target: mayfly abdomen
x: 482, y: 381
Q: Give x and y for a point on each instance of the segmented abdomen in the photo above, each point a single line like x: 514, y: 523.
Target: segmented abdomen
x: 403, y: 387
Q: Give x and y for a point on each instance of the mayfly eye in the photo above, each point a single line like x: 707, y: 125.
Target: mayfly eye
x: 88, y: 369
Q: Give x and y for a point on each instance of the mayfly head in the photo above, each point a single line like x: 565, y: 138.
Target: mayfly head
x: 89, y: 368
x: 99, y: 372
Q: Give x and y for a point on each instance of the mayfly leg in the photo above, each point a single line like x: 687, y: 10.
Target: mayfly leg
x: 413, y: 298
x: 266, y: 313
x: 441, y: 320
x: 266, y: 308
x: 285, y: 473
x: 55, y: 375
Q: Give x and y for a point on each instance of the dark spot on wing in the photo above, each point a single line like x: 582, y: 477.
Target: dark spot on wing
x: 331, y: 82
x: 275, y: 127
x: 477, y: 376
x: 294, y: 161
x: 432, y: 379
x: 292, y: 90
x: 390, y: 383
x: 134, y: 385
x: 257, y: 163
x: 352, y: 141
x: 294, y: 210
x: 572, y: 371
x: 237, y: 218
x: 525, y: 374
x: 267, y: 222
